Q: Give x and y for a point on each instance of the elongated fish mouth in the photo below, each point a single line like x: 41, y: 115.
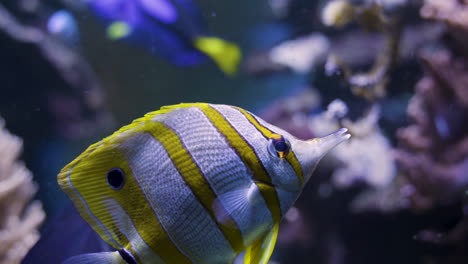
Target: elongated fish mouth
x: 327, y: 143
x: 341, y: 134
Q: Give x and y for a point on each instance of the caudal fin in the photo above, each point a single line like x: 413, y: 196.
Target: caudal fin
x: 226, y: 55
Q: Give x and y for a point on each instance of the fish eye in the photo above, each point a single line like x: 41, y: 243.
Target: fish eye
x: 115, y: 178
x: 278, y: 146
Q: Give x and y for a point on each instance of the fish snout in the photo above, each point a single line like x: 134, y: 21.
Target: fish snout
x: 310, y: 152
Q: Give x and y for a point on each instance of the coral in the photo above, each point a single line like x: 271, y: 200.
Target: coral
x: 454, y: 15
x: 451, y: 12
x: 301, y: 54
x: 66, y: 86
x: 52, y: 93
x: 373, y: 164
x: 371, y: 84
x: 386, y: 44
x: 337, y: 13
x: 434, y: 149
x: 414, y: 170
x: 19, y: 217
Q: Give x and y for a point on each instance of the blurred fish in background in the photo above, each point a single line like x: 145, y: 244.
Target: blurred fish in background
x: 171, y: 29
x: 62, y: 24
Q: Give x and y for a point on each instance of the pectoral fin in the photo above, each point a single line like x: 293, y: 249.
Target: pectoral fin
x: 242, y: 203
x: 260, y: 251
x: 101, y: 258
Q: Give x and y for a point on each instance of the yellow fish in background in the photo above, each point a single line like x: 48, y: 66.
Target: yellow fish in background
x: 191, y: 183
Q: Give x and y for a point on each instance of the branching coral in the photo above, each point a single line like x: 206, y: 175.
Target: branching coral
x: 434, y: 149
x: 19, y: 217
x: 415, y: 179
x: 382, y: 36
x: 372, y: 164
x: 451, y: 12
x: 454, y: 15
x: 371, y: 84
x: 66, y: 85
x: 299, y: 55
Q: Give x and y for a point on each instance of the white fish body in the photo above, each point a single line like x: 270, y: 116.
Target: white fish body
x: 191, y: 183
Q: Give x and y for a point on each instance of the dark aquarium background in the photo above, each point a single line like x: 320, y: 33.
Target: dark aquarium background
x: 394, y: 72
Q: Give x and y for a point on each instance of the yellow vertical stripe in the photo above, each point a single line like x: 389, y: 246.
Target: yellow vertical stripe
x: 108, y: 231
x: 248, y: 156
x: 68, y: 188
x: 267, y: 133
x: 145, y: 221
x: 193, y: 176
x: 88, y: 177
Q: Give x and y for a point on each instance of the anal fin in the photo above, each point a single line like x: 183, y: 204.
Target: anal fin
x: 260, y: 251
x: 93, y: 258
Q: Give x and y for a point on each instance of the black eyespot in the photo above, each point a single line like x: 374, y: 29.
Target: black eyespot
x: 116, y: 178
x: 279, y: 146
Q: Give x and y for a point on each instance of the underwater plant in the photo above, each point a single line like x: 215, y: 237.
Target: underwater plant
x: 20, y: 217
